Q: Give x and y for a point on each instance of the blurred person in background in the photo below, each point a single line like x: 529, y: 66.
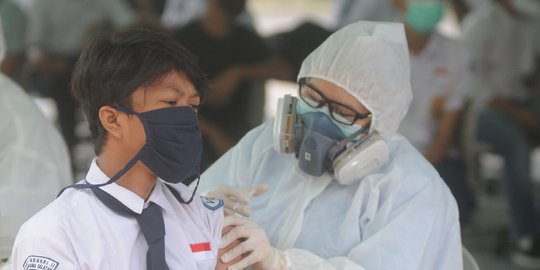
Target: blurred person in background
x: 179, y: 13
x: 348, y: 11
x: 351, y: 193
x: 236, y: 60
x: 503, y: 42
x: 296, y: 44
x: 15, y: 23
x: 34, y: 160
x: 148, y: 13
x: 463, y: 8
x: 439, y: 67
x: 57, y: 31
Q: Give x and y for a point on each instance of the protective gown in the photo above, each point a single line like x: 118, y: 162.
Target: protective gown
x: 34, y: 160
x: 402, y: 216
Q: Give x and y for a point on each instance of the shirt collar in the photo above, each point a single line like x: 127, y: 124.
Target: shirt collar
x: 127, y: 197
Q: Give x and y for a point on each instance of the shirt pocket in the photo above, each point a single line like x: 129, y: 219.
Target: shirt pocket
x: 203, y: 254
x: 205, y: 260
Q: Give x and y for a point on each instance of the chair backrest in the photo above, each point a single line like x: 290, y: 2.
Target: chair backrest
x: 469, y: 263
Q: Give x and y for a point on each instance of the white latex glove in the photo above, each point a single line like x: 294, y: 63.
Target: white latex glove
x: 253, y: 246
x: 237, y: 199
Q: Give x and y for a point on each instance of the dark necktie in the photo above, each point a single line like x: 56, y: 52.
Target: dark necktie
x: 152, y: 226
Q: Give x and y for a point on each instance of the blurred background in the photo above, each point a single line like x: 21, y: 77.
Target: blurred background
x: 475, y: 77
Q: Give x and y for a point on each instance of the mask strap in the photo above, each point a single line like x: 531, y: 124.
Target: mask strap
x: 112, y: 180
x: 124, y: 109
x: 123, y: 170
x: 177, y: 195
x: 127, y: 110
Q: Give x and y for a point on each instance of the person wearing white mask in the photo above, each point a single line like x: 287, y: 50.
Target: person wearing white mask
x: 34, y: 161
x: 345, y: 191
x: 501, y: 40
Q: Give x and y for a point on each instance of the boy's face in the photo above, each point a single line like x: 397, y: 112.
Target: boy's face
x: 174, y: 90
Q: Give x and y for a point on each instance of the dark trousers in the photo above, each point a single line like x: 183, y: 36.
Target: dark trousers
x: 452, y: 171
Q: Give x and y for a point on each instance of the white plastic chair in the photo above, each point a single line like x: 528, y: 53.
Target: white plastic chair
x: 469, y: 263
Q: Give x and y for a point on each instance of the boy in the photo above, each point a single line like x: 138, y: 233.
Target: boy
x: 140, y: 92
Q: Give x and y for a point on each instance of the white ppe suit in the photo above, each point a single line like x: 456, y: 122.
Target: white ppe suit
x: 400, y: 217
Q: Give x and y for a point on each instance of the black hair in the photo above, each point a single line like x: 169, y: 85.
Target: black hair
x: 110, y: 69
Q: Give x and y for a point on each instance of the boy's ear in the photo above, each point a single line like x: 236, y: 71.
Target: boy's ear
x: 109, y: 119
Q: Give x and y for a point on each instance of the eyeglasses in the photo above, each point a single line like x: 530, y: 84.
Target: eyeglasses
x: 339, y: 112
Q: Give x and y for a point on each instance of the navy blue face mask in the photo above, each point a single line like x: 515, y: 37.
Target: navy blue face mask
x: 173, y: 146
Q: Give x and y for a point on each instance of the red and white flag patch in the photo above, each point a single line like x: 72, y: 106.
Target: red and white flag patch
x: 201, y: 251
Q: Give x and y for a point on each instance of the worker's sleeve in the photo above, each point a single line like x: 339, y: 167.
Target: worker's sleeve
x: 419, y: 231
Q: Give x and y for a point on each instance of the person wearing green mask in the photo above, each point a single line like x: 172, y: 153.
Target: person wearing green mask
x: 421, y: 16
x: 438, y: 71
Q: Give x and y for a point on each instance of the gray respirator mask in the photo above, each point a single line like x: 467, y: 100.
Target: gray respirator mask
x: 321, y: 146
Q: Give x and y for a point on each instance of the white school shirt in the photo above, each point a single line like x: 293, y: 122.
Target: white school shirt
x: 439, y: 71
x: 77, y: 231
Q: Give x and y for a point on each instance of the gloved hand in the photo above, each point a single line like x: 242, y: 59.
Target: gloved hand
x: 236, y: 199
x: 253, y: 247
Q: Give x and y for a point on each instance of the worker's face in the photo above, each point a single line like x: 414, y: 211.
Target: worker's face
x: 337, y: 94
x: 175, y: 89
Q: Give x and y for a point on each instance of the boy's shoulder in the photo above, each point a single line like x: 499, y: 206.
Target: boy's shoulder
x: 202, y: 205
x: 202, y: 208
x: 211, y: 203
x: 53, y: 218
x: 46, y: 240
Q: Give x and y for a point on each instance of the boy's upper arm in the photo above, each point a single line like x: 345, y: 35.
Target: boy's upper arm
x: 43, y: 250
x: 214, y: 213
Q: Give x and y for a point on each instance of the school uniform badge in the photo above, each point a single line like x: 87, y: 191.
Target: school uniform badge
x: 211, y: 202
x: 39, y: 263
